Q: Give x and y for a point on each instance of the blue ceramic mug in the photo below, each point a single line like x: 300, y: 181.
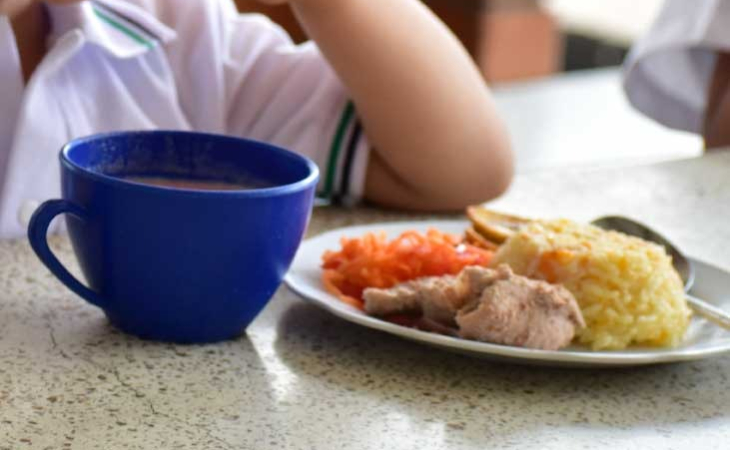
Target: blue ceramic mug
x: 180, y: 265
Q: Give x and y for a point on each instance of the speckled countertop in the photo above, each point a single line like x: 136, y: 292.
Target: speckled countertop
x: 302, y: 379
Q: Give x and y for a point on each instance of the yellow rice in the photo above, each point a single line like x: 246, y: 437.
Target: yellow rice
x: 627, y: 289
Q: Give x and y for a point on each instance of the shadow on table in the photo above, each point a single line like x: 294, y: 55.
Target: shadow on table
x: 420, y: 381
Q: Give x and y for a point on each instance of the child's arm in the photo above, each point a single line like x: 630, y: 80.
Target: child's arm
x: 428, y: 113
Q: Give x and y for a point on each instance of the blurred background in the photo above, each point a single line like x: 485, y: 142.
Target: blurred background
x: 554, y: 66
x: 522, y: 39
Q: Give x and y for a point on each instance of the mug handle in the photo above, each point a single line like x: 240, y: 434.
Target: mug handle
x: 38, y: 236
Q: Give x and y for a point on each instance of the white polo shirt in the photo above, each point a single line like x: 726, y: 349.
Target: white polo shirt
x: 168, y: 64
x: 668, y: 72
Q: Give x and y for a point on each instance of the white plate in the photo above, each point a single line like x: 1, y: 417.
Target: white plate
x: 702, y: 340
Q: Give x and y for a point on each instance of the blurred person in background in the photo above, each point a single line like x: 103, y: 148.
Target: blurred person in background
x: 679, y: 73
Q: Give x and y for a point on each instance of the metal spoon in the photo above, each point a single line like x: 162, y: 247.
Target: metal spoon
x: 681, y: 263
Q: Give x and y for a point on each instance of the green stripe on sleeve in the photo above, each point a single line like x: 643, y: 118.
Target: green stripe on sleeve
x: 347, y: 115
x: 122, y: 28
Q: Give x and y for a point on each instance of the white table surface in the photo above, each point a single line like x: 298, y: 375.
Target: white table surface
x: 583, y: 119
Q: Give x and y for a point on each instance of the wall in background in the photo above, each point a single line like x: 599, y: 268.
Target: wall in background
x: 617, y: 22
x: 599, y: 34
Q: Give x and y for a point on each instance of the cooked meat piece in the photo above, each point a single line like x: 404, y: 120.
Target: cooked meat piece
x: 437, y: 298
x: 441, y: 298
x: 487, y: 305
x: 522, y: 312
x: 479, y: 278
x: 400, y: 299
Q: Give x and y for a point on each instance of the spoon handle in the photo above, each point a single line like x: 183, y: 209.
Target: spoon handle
x: 709, y: 312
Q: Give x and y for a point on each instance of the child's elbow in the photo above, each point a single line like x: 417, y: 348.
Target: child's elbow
x: 497, y: 163
x: 484, y: 176
x: 481, y: 170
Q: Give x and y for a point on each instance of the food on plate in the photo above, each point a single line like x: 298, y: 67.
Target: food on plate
x: 516, y: 281
x: 487, y: 305
x: 627, y: 289
x: 373, y: 261
x: 473, y: 237
x: 493, y: 226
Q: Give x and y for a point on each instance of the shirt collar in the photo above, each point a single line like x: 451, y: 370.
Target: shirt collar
x: 122, y: 29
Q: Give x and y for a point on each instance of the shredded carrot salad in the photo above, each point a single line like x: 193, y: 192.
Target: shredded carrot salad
x: 373, y: 261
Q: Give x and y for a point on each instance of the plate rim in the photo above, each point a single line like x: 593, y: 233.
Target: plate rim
x: 583, y: 357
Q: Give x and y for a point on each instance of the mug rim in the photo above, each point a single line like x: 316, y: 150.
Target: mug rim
x: 283, y: 189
